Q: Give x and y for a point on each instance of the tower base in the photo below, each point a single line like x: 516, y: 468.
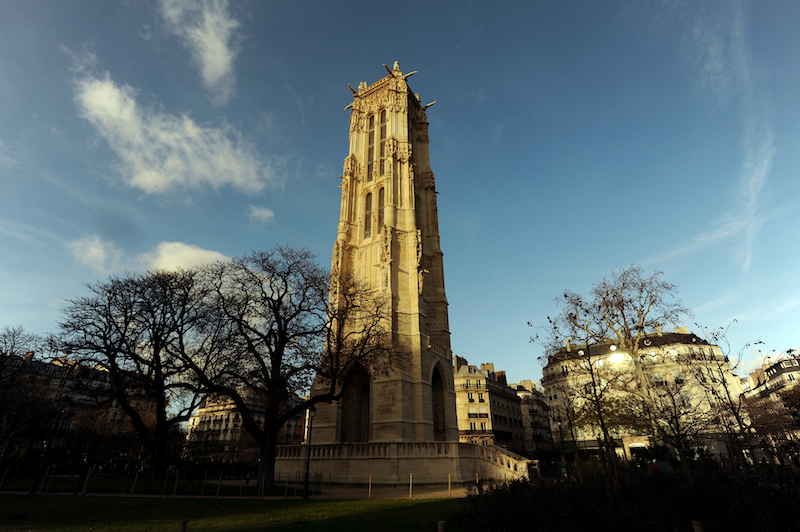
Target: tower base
x: 397, y: 463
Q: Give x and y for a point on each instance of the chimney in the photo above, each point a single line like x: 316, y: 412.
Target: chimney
x: 500, y: 377
x: 569, y: 347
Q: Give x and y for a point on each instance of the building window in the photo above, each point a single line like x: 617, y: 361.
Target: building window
x: 472, y: 425
x: 381, y: 202
x: 477, y: 384
x: 368, y: 216
x: 383, y: 142
x: 371, y: 149
x: 480, y: 398
x: 470, y: 398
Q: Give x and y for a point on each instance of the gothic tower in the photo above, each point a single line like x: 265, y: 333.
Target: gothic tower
x: 388, y: 235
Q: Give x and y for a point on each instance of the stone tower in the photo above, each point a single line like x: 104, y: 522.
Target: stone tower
x: 388, y: 235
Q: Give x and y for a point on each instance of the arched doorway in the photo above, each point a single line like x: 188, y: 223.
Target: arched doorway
x: 438, y: 404
x: 355, y: 408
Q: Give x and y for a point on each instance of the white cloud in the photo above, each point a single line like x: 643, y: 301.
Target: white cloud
x: 174, y: 255
x: 104, y: 258
x: 260, y: 214
x: 206, y: 28
x: 91, y: 251
x: 159, y: 152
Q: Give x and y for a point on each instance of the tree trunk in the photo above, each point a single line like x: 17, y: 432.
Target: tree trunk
x: 266, y: 462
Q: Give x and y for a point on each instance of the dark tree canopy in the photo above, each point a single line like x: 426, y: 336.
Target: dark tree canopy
x: 137, y: 328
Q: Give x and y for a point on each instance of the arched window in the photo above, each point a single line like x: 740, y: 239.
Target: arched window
x: 383, y: 142
x: 438, y: 403
x: 368, y: 216
x: 380, y: 208
x: 371, y: 150
x: 355, y: 408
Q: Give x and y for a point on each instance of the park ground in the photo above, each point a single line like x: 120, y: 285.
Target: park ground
x: 73, y: 513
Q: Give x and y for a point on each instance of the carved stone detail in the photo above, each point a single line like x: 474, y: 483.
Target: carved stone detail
x: 391, y: 146
x: 404, y: 151
x: 427, y: 181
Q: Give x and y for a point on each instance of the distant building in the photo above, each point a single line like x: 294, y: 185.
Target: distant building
x: 764, y: 392
x: 63, y: 405
x: 216, y: 433
x: 771, y: 379
x: 488, y: 410
x: 535, y: 418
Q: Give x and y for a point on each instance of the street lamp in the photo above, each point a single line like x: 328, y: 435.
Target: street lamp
x: 309, y: 422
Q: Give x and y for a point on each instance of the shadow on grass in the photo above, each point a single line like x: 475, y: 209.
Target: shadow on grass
x: 661, y: 503
x: 75, y: 513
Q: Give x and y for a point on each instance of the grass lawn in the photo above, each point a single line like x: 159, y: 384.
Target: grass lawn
x: 132, y: 514
x: 119, y: 484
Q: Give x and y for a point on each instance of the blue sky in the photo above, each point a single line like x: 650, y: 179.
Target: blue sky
x: 569, y: 139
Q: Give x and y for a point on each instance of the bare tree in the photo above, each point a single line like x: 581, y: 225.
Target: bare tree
x: 610, y: 325
x: 618, y: 314
x: 715, y: 375
x: 275, y: 322
x: 680, y: 414
x: 15, y: 342
x: 135, y: 327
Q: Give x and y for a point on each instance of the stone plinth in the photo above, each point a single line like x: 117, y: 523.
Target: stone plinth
x: 393, y: 464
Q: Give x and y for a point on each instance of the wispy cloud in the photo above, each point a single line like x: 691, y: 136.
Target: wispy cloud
x: 159, y: 152
x: 325, y: 170
x: 260, y: 214
x: 207, y: 29
x: 715, y: 41
x: 100, y: 256
x: 175, y: 255
x: 146, y: 32
x: 5, y: 156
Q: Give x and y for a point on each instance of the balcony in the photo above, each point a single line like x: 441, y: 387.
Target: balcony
x: 475, y: 433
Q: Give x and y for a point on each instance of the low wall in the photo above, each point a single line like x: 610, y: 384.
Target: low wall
x: 394, y: 463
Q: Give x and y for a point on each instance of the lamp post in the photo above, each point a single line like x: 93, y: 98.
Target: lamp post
x: 309, y: 422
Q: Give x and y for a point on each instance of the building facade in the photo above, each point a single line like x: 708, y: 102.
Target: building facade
x: 676, y: 391
x: 767, y: 392
x: 488, y: 410
x: 215, y: 432
x: 59, y: 407
x: 535, y: 416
